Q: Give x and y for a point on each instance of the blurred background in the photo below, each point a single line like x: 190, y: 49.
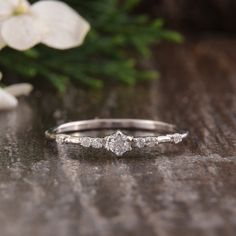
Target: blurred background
x: 118, y: 47
x: 195, y: 16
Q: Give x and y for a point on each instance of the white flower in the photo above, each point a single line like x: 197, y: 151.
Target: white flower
x: 8, y: 95
x: 50, y: 22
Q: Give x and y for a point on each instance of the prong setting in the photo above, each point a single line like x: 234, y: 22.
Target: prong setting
x: 118, y: 143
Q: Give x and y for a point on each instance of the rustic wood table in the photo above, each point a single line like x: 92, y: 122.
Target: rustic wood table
x: 187, y: 190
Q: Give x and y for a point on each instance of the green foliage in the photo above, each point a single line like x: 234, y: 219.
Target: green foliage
x: 113, y: 49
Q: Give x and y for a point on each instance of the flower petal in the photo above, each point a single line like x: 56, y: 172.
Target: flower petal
x: 6, y: 8
x: 2, y: 42
x: 9, y: 7
x: 66, y: 28
x: 19, y: 89
x: 7, y: 101
x: 21, y: 32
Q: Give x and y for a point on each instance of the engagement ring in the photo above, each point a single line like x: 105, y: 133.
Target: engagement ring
x: 118, y: 142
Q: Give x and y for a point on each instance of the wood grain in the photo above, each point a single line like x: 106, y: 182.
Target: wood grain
x: 186, y: 190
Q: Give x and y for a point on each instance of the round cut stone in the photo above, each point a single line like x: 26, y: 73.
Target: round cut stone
x: 140, y: 142
x: 118, y: 143
x: 85, y: 142
x: 150, y: 141
x: 177, y: 138
x: 97, y: 143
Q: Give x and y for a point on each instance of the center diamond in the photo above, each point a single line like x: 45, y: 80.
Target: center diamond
x: 118, y: 143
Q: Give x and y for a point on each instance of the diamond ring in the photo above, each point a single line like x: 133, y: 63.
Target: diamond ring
x: 118, y: 142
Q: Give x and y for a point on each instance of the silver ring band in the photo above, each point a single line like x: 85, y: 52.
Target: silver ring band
x: 118, y: 143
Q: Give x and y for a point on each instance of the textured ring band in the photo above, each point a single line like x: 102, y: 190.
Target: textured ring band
x: 118, y: 143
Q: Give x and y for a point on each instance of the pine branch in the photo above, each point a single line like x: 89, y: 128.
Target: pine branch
x: 116, y: 35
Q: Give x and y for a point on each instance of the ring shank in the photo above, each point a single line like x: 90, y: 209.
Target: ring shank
x: 115, y: 124
x: 96, y: 124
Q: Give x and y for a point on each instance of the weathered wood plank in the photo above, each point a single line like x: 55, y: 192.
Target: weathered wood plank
x: 189, y: 190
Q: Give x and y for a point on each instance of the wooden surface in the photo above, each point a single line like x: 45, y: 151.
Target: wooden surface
x: 187, y: 190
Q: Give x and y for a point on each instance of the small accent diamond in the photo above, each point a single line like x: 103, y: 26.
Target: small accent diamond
x: 61, y: 139
x: 97, y: 143
x: 85, y: 142
x: 176, y: 138
x: 150, y: 141
x: 139, y: 142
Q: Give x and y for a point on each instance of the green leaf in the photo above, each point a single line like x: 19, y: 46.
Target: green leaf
x: 118, y: 42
